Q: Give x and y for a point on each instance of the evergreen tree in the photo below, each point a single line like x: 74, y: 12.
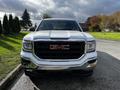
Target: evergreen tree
x: 0, y: 28
x: 5, y: 25
x: 16, y: 25
x: 11, y: 28
x: 26, y: 19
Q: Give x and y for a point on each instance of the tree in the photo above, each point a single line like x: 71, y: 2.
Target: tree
x: 0, y: 28
x: 26, y: 22
x: 5, y: 25
x: 11, y: 28
x: 93, y: 23
x: 16, y: 22
x: 45, y: 15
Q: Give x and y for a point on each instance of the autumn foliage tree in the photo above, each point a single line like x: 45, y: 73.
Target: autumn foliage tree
x: 93, y: 23
x: 102, y: 22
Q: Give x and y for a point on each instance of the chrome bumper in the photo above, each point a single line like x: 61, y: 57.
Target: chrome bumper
x: 34, y: 63
x: 31, y: 66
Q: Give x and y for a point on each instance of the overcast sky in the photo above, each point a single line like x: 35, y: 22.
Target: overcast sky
x: 79, y: 9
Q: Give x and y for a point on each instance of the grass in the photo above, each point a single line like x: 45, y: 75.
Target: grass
x: 9, y: 53
x: 106, y: 35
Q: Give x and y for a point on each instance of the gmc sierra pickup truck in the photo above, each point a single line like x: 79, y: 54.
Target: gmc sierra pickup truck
x: 58, y: 44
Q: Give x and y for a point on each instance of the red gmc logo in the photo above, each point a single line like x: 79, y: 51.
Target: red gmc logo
x: 59, y: 47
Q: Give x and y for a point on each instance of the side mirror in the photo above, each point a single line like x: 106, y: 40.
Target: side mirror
x: 32, y: 29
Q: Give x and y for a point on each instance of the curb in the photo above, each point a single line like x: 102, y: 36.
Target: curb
x: 108, y: 40
x: 6, y: 82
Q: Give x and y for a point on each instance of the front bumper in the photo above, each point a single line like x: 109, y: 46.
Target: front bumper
x: 34, y: 64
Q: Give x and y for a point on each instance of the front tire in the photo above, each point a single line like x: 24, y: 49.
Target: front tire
x: 90, y: 73
x: 27, y: 73
x: 32, y: 73
x: 86, y: 73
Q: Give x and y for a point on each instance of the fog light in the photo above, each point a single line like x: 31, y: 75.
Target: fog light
x: 24, y: 62
x: 92, y: 65
x: 32, y: 66
x: 28, y: 64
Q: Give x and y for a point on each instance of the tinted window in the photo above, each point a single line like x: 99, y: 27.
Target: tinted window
x: 58, y: 25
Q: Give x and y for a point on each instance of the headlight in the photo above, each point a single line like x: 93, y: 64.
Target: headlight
x: 27, y: 45
x: 91, y: 46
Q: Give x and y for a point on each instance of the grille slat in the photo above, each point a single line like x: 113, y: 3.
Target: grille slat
x: 42, y: 50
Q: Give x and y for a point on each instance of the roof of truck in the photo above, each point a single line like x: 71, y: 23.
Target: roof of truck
x: 59, y: 19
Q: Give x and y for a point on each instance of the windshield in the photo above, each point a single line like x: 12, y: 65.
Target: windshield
x: 58, y: 25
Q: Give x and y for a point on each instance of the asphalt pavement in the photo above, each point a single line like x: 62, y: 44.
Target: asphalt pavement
x: 106, y: 75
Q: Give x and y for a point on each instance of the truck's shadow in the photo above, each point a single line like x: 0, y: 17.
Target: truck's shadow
x: 106, y: 76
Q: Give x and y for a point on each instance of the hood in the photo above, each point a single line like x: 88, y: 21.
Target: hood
x: 55, y: 34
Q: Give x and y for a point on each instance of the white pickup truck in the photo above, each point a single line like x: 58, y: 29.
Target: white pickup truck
x: 58, y: 44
